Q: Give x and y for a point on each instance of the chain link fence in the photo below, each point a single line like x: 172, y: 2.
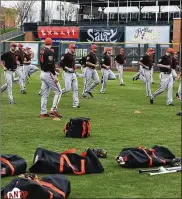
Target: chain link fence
x: 133, y: 52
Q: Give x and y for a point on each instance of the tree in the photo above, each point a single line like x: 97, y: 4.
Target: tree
x: 67, y: 11
x: 24, y: 10
x: 49, y: 12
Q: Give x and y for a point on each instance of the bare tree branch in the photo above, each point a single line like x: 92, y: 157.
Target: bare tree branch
x: 67, y: 11
x: 24, y: 9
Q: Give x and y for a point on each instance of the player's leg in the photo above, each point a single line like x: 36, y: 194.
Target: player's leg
x: 105, y: 75
x: 170, y: 90
x: 163, y: 86
x: 111, y: 75
x: 180, y: 97
x: 152, y: 71
x: 88, y: 76
x: 32, y: 69
x: 67, y: 77
x: 95, y: 77
x: 148, y: 82
x: 120, y: 70
x: 9, y: 82
x: 174, y: 75
x: 3, y: 87
x: 75, y: 91
x: 20, y: 73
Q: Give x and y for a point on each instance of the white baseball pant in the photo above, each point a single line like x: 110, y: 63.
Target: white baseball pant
x: 28, y: 70
x: 166, y: 81
x: 9, y: 82
x: 48, y: 82
x: 119, y: 67
x: 70, y: 82
x: 107, y: 75
x: 152, y: 71
x: 90, y: 74
x: 21, y: 78
x: 147, y: 76
x: 180, y: 91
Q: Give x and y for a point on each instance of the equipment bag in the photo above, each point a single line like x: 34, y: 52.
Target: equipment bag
x: 141, y: 157
x: 77, y: 128
x: 49, y: 162
x: 51, y: 187
x: 12, y: 165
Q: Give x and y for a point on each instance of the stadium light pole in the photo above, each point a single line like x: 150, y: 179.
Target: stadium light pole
x: 156, y: 11
x: 91, y: 10
x: 168, y: 10
x: 127, y: 12
x: 108, y: 13
x: 118, y: 11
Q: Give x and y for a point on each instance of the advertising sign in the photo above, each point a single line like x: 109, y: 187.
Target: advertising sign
x: 147, y: 34
x: 113, y: 34
x: 59, y: 33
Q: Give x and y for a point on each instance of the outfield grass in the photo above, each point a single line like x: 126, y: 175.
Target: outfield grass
x: 114, y: 125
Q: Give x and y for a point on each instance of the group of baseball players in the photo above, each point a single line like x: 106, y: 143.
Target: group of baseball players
x: 19, y: 61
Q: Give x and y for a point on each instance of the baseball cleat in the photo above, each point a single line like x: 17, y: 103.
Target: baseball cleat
x: 179, y: 113
x: 171, y: 104
x: 23, y: 92
x: 12, y: 102
x: 100, y: 153
x: 54, y: 113
x: 44, y: 115
x: 90, y: 94
x: 84, y: 97
x: 102, y: 92
x: 152, y: 82
x: 122, y: 85
x: 133, y: 78
x: 151, y: 101
x: 76, y: 106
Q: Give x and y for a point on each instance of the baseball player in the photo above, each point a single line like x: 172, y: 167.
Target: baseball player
x: 140, y: 75
x: 107, y: 73
x: 91, y: 72
x: 49, y: 81
x: 9, y: 64
x: 147, y: 62
x: 28, y: 67
x: 166, y: 79
x: 119, y: 61
x: 179, y: 92
x: 69, y: 74
x: 20, y: 54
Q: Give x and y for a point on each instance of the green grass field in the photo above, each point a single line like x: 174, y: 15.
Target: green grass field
x: 6, y: 30
x: 114, y: 125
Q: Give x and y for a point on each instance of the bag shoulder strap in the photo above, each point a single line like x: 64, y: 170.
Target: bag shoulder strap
x: 153, y: 153
x: 150, y: 158
x: 64, y: 158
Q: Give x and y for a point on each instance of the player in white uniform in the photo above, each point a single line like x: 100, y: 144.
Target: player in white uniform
x: 69, y: 74
x: 166, y: 79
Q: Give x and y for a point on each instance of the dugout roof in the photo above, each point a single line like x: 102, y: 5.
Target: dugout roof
x: 123, y: 3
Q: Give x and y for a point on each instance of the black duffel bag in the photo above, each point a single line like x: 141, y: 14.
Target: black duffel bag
x: 49, y: 162
x: 51, y: 187
x: 77, y: 128
x: 141, y: 157
x: 12, y: 164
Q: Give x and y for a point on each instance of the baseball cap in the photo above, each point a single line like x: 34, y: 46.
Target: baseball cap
x: 27, y: 48
x: 20, y: 45
x: 48, y: 41
x: 93, y: 46
x: 72, y: 46
x: 13, y: 44
x: 170, y: 50
x: 108, y: 49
